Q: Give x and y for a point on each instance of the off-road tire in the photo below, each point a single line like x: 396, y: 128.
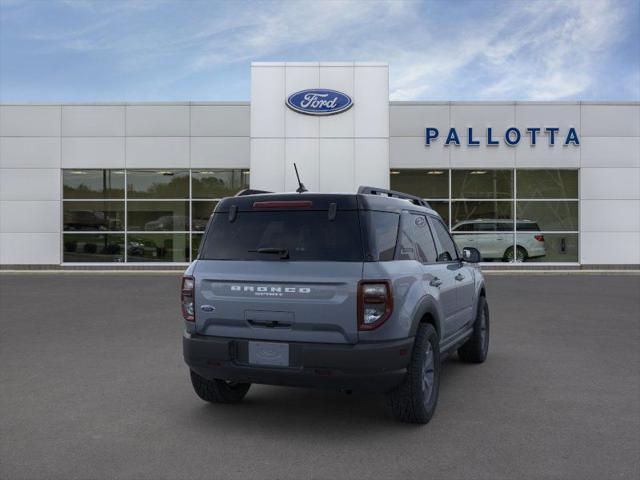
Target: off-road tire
x: 218, y: 391
x: 409, y: 402
x: 476, y: 348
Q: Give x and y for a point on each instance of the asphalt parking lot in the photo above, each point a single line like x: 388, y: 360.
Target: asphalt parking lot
x: 92, y: 385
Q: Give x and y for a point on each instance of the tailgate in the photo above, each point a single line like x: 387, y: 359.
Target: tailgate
x: 280, y: 301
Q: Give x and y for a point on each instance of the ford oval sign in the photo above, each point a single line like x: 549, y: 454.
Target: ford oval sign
x: 319, y: 101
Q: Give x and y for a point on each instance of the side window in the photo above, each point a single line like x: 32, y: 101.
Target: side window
x: 486, y: 227
x: 446, y: 249
x: 426, y: 249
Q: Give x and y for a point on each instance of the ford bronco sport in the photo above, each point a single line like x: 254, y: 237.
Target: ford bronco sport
x: 363, y: 291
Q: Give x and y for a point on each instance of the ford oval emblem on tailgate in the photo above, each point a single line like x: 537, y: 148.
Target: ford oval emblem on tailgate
x: 207, y: 308
x: 319, y: 101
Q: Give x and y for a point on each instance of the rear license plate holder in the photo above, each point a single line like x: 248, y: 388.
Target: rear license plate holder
x: 269, y: 354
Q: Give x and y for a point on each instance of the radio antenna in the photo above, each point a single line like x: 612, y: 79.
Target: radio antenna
x: 301, y: 188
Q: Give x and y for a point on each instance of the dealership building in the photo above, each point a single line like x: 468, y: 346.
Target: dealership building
x: 545, y: 183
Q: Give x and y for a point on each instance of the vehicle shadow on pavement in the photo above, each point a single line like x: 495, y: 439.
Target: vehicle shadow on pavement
x: 289, y: 410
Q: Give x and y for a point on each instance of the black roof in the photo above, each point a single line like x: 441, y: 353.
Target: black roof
x: 322, y: 201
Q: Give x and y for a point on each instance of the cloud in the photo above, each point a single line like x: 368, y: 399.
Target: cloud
x: 538, y: 51
x: 542, y: 50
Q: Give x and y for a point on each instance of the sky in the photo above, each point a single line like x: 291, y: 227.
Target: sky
x: 150, y: 50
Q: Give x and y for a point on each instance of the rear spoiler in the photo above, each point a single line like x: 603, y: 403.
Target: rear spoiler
x: 250, y: 191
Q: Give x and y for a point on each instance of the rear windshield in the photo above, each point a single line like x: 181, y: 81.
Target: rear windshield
x: 284, y: 236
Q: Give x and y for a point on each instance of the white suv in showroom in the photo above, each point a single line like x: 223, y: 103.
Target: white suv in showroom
x: 494, y: 239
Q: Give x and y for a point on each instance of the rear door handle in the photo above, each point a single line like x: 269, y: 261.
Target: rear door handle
x: 459, y: 277
x: 436, y: 282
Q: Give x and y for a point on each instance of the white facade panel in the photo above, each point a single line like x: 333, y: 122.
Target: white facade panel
x: 304, y: 152
x: 267, y: 102
x: 93, y: 152
x: 267, y: 164
x: 610, y: 216
x: 337, y: 165
x: 157, y: 120
x: 340, y: 79
x: 29, y: 184
x: 372, y: 162
x: 371, y: 102
x: 479, y: 117
x: 610, y: 152
x: 611, y: 120
x: 29, y: 152
x: 411, y: 152
x: 29, y: 216
x: 412, y: 120
x: 464, y: 156
x: 30, y: 248
x: 93, y: 120
x: 220, y: 120
x: 30, y: 120
x: 308, y: 138
x: 296, y: 79
x: 545, y: 155
x: 562, y: 116
x: 220, y: 152
x: 610, y: 184
x: 610, y: 248
x: 161, y: 152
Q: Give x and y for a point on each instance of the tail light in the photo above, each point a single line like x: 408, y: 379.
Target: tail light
x: 539, y: 238
x: 187, y: 298
x: 375, y: 303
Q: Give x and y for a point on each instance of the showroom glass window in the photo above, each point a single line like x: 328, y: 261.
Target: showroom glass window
x: 140, y: 215
x: 510, y: 215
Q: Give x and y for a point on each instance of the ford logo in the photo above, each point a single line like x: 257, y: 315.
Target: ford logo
x: 319, y: 101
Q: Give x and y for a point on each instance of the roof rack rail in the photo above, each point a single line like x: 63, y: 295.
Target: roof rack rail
x: 249, y: 191
x: 392, y: 193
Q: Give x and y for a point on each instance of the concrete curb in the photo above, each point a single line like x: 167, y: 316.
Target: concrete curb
x: 179, y: 272
x: 91, y: 272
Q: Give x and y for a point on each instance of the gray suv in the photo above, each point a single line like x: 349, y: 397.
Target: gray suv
x: 363, y: 292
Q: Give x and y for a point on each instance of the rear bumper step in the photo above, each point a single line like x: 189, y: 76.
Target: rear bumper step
x: 363, y: 367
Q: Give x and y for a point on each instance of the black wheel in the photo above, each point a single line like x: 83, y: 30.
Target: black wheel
x: 218, y: 391
x: 521, y: 255
x: 476, y: 348
x: 414, y: 401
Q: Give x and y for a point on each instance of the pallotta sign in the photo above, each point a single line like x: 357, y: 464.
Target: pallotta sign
x: 512, y: 136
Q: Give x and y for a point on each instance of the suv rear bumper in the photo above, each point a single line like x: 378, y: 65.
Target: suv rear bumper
x: 374, y: 367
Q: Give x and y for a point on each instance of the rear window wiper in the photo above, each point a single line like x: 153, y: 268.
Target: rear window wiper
x: 283, y: 252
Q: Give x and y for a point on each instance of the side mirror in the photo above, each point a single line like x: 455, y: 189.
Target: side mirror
x: 471, y: 255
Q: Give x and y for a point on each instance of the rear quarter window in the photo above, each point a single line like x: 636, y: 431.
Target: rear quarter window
x: 528, y: 227
x: 381, y: 229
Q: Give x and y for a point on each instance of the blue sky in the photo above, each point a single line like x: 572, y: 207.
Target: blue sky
x: 142, y: 50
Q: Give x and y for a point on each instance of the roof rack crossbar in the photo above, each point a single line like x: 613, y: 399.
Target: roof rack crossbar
x: 250, y: 191
x: 392, y: 193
